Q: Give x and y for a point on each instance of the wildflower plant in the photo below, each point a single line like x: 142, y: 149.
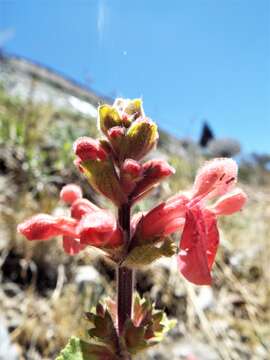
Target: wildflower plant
x: 113, y: 166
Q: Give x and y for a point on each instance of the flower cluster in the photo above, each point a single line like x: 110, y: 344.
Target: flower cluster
x: 113, y: 167
x: 87, y: 225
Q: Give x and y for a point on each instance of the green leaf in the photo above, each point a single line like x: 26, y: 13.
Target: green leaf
x: 102, y: 327
x: 77, y: 349
x: 103, y: 178
x: 142, y: 255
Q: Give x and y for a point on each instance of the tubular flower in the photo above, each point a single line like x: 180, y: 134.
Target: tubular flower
x: 163, y: 220
x: 88, y: 224
x: 200, y: 237
x: 100, y: 229
x: 190, y: 213
x: 44, y: 227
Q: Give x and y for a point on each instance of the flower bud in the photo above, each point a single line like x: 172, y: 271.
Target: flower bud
x: 154, y: 171
x: 116, y: 132
x: 131, y: 172
x: 104, y: 179
x: 132, y: 168
x: 117, y: 138
x: 70, y: 193
x: 134, y: 108
x: 108, y: 117
x: 142, y: 137
x: 87, y: 148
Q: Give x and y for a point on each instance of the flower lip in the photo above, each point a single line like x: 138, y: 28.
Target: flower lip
x: 198, y: 245
x: 230, y: 203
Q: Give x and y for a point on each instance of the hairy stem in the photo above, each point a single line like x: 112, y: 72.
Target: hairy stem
x: 124, y: 275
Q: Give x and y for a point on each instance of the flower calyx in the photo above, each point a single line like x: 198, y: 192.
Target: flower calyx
x: 131, y: 134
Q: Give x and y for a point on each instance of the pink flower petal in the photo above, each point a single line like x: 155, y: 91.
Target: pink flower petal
x: 72, y: 245
x: 82, y: 207
x: 198, y: 246
x: 100, y: 230
x: 230, y: 203
x: 192, y: 259
x: 212, y: 236
x: 161, y: 220
x: 44, y: 227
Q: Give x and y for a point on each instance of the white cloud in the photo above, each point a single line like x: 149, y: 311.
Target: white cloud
x: 101, y: 18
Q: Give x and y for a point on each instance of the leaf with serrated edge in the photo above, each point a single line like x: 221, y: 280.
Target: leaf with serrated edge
x: 77, y: 349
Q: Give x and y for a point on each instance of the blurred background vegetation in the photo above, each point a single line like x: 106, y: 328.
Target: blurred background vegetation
x: 44, y: 292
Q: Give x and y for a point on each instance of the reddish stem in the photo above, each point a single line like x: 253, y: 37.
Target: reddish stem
x: 124, y: 276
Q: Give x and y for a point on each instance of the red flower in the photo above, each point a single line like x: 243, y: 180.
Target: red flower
x: 44, y: 227
x: 100, y: 229
x: 200, y: 237
x: 199, y: 242
x: 88, y: 225
x: 162, y: 220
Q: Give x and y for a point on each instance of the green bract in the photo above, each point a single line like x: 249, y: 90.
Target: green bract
x: 103, y: 178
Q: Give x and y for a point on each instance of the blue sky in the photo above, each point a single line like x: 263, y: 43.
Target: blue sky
x: 190, y: 60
